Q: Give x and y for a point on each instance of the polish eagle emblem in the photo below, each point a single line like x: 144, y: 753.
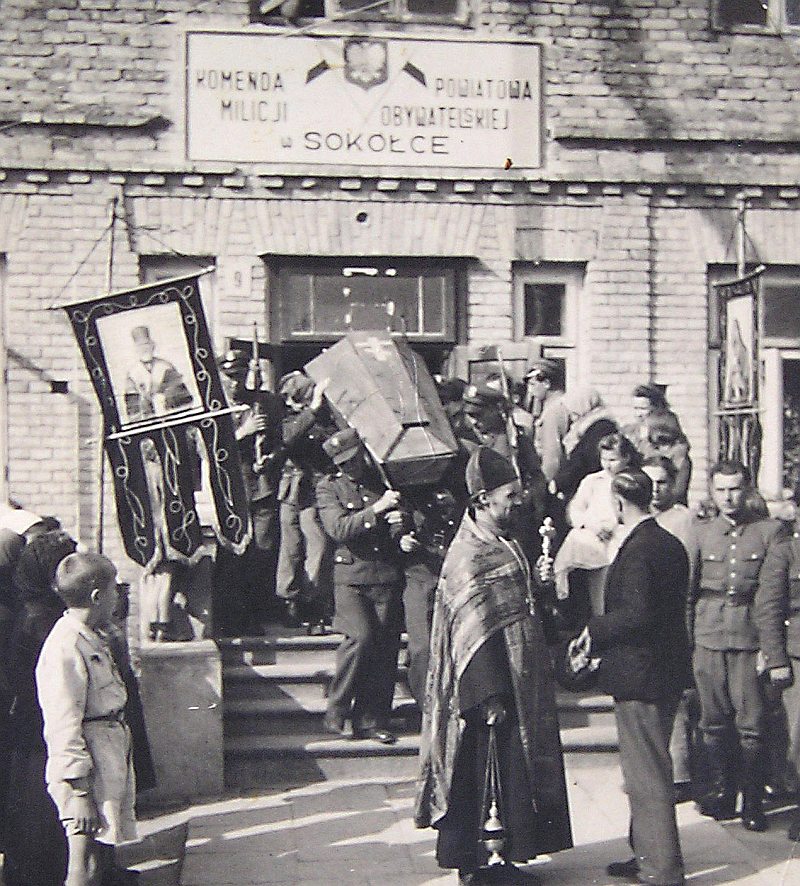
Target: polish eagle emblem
x: 365, y: 62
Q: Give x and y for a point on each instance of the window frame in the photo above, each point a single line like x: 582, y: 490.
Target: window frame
x: 775, y: 21
x: 451, y: 270
x: 395, y: 11
x: 571, y: 276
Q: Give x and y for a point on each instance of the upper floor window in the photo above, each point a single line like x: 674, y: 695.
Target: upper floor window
x: 757, y: 15
x: 441, y: 11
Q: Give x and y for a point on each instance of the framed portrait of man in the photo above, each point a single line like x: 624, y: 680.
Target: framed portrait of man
x: 149, y: 353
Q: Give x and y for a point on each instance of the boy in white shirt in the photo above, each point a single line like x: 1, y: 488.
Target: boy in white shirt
x: 89, y: 770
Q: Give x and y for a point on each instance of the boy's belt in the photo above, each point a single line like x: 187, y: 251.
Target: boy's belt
x: 113, y: 717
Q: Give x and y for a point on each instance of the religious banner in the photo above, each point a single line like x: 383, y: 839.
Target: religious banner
x: 740, y: 427
x: 167, y: 425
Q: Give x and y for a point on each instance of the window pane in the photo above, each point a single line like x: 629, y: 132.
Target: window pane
x: 372, y: 9
x: 448, y: 8
x: 433, y: 296
x: 544, y: 306
x: 782, y: 310
x: 793, y: 12
x: 268, y: 11
x: 742, y: 12
x: 296, y: 294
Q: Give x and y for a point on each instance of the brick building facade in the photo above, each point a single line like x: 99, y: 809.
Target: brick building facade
x: 655, y: 116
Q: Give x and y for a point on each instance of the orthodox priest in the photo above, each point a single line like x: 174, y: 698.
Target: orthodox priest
x: 490, y: 665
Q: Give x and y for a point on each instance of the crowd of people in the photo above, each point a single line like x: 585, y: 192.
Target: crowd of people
x: 689, y: 619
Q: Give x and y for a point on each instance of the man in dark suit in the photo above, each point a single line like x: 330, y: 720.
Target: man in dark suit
x: 642, y: 644
x: 356, y: 510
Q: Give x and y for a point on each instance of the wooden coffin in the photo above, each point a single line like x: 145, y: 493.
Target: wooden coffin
x: 380, y: 387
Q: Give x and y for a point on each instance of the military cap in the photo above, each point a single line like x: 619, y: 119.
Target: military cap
x: 342, y: 445
x: 545, y: 368
x: 295, y: 385
x: 234, y: 363
x: 488, y: 470
x: 481, y: 398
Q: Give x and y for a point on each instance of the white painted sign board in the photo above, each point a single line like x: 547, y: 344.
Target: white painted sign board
x: 362, y: 101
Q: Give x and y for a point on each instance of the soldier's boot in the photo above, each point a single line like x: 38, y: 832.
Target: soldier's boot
x: 753, y: 818
x: 719, y: 802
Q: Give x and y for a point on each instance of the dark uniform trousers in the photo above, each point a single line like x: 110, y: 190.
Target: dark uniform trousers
x: 367, y: 599
x: 362, y: 687
x: 433, y: 515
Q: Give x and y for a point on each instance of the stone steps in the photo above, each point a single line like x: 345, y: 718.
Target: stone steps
x: 274, y: 692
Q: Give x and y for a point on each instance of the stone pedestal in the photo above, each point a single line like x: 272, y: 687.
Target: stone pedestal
x: 181, y: 689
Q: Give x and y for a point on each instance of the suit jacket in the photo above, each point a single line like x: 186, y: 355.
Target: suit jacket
x: 641, y: 638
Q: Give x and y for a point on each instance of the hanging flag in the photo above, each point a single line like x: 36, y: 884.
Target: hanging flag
x: 168, y: 430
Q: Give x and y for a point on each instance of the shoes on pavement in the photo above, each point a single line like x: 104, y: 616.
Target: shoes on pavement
x: 628, y: 869
x: 333, y: 723
x: 683, y: 791
x: 375, y: 733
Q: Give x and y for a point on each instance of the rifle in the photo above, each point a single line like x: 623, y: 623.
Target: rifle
x: 253, y: 383
x: 511, y: 428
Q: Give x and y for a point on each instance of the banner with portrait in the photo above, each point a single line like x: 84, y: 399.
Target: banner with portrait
x: 740, y: 427
x: 167, y: 425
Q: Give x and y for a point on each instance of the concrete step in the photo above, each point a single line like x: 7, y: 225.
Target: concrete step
x: 295, y: 714
x: 270, y: 681
x: 291, y: 645
x: 319, y: 747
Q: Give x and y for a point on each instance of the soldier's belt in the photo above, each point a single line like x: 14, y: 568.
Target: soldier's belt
x: 735, y: 598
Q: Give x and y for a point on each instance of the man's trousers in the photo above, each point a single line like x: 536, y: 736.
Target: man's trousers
x: 362, y: 687
x: 644, y: 730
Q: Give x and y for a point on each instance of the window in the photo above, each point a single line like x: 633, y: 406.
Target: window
x: 543, y: 309
x: 327, y: 299
x: 546, y: 299
x: 757, y: 15
x: 441, y: 11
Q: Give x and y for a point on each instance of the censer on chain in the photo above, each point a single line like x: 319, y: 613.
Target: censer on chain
x: 493, y: 834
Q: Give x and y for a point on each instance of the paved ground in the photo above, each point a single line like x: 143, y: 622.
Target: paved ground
x: 359, y: 832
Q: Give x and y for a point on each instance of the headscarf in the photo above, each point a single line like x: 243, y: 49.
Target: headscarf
x: 584, y: 406
x: 36, y: 567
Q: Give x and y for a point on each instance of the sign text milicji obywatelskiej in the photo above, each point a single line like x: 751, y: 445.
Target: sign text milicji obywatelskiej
x: 362, y: 101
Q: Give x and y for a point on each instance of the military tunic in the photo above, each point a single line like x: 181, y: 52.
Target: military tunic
x: 778, y: 619
x: 729, y: 583
x: 367, y: 596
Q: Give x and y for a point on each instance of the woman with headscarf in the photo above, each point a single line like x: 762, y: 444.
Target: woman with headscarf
x: 589, y: 421
x: 35, y: 848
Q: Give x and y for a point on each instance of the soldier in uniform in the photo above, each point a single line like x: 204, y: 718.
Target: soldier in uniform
x: 778, y: 618
x: 551, y: 419
x: 303, y: 579
x: 367, y: 575
x: 729, y: 585
x: 431, y: 517
x: 244, y: 586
